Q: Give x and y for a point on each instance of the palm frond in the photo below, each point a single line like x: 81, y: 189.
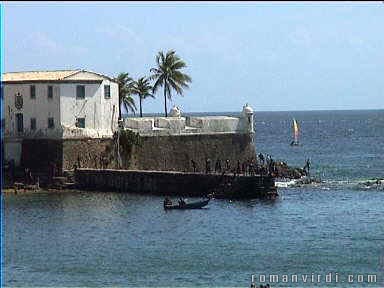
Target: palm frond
x: 167, y: 74
x: 125, y: 90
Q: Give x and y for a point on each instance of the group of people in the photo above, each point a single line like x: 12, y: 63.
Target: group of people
x: 168, y: 202
x: 218, y: 166
x: 29, y: 176
x: 263, y: 165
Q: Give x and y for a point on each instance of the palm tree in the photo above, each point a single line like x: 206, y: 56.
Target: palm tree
x: 125, y: 93
x: 143, y: 89
x: 167, y: 74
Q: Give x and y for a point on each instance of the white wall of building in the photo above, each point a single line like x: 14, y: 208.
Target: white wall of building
x: 72, y: 108
x: 110, y: 107
x: 40, y: 108
x: 100, y: 114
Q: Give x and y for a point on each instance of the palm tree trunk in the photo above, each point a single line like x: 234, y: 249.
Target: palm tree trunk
x: 141, y: 111
x: 165, y: 100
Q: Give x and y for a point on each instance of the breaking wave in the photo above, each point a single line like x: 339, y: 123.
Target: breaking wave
x: 374, y: 184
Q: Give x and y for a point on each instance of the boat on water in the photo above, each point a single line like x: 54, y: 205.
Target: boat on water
x: 184, y: 206
x: 296, y: 131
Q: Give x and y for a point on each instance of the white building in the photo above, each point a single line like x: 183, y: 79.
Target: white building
x: 57, y: 105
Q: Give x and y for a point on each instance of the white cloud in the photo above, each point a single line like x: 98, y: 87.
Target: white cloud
x: 39, y: 40
x: 42, y: 43
x: 121, y: 33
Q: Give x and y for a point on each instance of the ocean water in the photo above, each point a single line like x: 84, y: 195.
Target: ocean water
x: 98, y: 239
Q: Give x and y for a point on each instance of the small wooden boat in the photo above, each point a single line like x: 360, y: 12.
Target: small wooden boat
x: 193, y: 205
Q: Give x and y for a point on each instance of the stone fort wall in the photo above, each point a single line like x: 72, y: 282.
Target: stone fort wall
x: 165, y: 144
x: 161, y: 153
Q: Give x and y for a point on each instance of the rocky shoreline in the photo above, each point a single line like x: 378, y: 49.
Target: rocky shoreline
x: 283, y: 170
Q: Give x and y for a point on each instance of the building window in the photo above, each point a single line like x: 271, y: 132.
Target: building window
x: 51, y: 123
x: 33, y: 123
x: 107, y: 91
x: 50, y: 92
x: 80, y: 92
x: 80, y: 122
x: 33, y: 91
x: 19, y: 122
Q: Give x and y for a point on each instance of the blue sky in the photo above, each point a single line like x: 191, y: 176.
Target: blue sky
x: 275, y: 56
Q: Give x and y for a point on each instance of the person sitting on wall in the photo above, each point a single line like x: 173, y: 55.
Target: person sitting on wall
x: 181, y: 202
x: 227, y: 165
x: 30, y: 177
x: 244, y: 168
x: 78, y: 161
x: 261, y: 157
x: 193, y: 165
x: 218, y: 166
x: 208, y: 166
x: 251, y: 169
x: 25, y: 175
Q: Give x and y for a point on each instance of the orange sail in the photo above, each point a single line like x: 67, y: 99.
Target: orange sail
x: 295, y: 131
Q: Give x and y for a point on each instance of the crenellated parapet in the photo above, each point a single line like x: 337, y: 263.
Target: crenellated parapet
x: 177, y: 125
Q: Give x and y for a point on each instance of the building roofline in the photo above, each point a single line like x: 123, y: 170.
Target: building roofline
x: 28, y: 71
x: 51, y: 81
x: 75, y: 71
x: 89, y: 71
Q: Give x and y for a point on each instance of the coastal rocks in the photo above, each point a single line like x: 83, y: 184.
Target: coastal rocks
x: 285, y: 171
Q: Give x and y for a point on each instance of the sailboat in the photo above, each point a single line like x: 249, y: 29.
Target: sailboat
x: 295, y: 126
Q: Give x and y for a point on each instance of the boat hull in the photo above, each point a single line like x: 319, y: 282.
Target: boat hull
x: 270, y: 193
x: 195, y: 205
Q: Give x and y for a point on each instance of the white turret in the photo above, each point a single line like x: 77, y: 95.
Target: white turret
x: 248, y: 118
x: 175, y: 112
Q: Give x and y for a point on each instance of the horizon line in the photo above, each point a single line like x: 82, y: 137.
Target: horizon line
x: 257, y: 111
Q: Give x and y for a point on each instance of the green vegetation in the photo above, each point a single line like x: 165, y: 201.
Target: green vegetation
x: 143, y: 89
x: 125, y: 93
x: 166, y: 74
x: 127, y: 139
x: 124, y: 140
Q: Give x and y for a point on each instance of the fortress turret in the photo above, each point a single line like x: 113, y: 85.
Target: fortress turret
x: 175, y: 112
x: 247, y: 114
